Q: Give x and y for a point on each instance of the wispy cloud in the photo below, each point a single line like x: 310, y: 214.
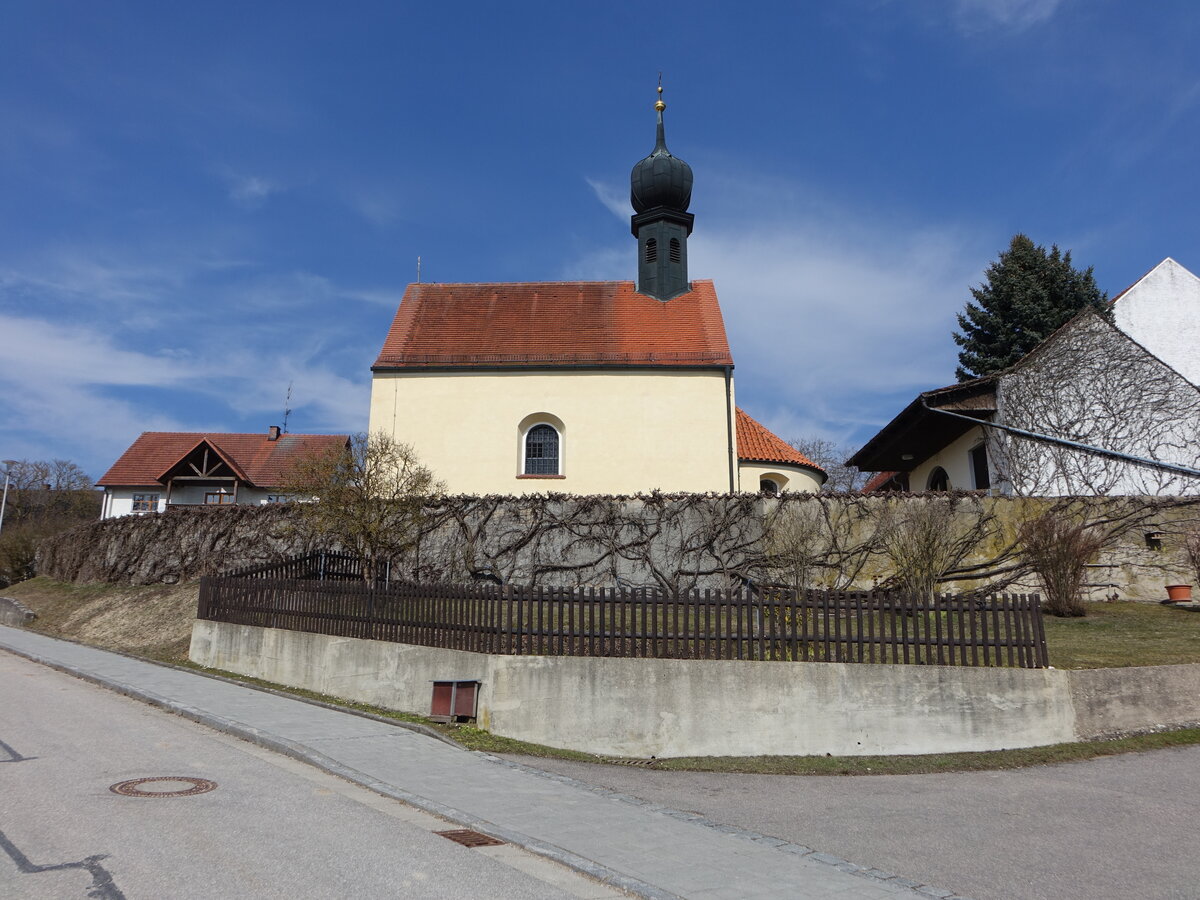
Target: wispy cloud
x: 251, y: 191
x: 1017, y: 15
x: 615, y: 201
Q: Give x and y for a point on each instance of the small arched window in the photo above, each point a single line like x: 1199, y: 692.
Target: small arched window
x: 651, y: 250
x: 676, y: 252
x: 541, y: 450
x: 768, y: 486
x: 939, y: 480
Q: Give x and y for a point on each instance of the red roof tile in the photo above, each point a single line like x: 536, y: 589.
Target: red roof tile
x: 756, y: 444
x: 606, y: 323
x: 878, y: 481
x: 263, y: 461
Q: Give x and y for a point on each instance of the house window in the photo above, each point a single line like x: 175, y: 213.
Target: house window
x: 278, y: 498
x: 217, y: 498
x: 768, y: 486
x: 676, y: 254
x: 938, y: 480
x: 144, y: 503
x: 541, y: 450
x: 651, y: 250
x: 979, y: 468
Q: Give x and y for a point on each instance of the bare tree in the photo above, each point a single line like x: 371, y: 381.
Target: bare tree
x: 927, y: 538
x: 1058, y: 548
x: 369, y: 497
x: 1091, y: 384
x: 44, y: 498
x: 832, y: 457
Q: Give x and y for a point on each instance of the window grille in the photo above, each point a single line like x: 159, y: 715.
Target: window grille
x: 145, y: 503
x: 541, y: 451
x: 651, y: 250
x: 676, y: 254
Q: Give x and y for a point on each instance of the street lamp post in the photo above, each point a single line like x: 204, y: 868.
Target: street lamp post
x: 8, y: 464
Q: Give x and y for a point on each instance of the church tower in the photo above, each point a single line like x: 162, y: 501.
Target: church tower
x: 661, y: 191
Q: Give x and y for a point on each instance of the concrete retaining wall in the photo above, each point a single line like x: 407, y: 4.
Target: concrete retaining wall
x: 15, y: 613
x: 662, y: 707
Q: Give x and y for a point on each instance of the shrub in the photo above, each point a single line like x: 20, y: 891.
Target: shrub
x: 1058, y: 549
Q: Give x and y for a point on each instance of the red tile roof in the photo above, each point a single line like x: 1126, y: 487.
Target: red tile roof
x: 756, y: 444
x: 878, y: 481
x: 263, y: 461
x: 605, y: 323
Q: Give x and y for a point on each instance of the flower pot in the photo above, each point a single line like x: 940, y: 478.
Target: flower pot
x: 1179, y: 593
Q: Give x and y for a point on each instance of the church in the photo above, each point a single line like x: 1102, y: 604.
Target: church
x: 582, y: 387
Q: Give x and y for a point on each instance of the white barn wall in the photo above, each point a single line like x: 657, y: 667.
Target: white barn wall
x: 1162, y: 313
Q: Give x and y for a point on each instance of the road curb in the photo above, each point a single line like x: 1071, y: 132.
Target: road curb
x: 302, y: 753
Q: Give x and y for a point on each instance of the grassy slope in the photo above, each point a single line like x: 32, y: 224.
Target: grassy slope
x: 155, y: 622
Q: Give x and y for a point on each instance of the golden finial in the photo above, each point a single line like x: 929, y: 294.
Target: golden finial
x: 658, y: 104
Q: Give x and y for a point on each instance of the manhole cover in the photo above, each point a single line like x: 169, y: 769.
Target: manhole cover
x: 136, y: 787
x: 469, y: 838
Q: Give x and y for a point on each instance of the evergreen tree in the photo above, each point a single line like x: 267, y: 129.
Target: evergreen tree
x: 1028, y: 294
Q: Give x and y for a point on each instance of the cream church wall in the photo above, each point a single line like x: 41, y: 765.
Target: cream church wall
x: 622, y: 431
x: 954, y: 459
x: 787, y: 477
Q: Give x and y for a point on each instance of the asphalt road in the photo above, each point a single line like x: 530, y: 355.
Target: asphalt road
x: 1105, y: 829
x: 273, y: 827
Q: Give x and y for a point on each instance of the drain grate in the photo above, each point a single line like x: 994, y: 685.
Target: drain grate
x: 134, y: 788
x: 628, y: 762
x: 469, y: 838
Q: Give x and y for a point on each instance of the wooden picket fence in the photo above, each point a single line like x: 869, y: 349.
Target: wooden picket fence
x: 328, y: 596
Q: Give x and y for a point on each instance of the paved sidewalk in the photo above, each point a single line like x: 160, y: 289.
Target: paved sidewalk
x: 649, y: 850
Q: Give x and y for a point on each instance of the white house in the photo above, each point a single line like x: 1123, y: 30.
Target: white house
x: 1161, y: 311
x: 163, y: 469
x: 1089, y: 411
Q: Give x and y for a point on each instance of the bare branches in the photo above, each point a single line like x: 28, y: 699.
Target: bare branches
x: 1093, y: 385
x: 928, y: 537
x: 1058, y: 548
x: 368, y: 497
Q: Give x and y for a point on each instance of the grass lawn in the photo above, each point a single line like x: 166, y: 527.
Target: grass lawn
x: 1124, y: 634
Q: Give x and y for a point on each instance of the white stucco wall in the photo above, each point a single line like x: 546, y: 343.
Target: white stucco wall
x: 789, y: 478
x: 955, y: 460
x: 118, y: 501
x: 1162, y: 313
x: 623, y: 432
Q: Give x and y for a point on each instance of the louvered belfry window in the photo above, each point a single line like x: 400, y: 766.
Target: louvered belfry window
x: 651, y: 250
x: 676, y: 255
x: 541, y: 451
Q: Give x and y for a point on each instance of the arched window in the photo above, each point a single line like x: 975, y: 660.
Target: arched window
x: 541, y: 450
x: 651, y: 250
x: 676, y: 254
x: 768, y: 486
x: 938, y: 480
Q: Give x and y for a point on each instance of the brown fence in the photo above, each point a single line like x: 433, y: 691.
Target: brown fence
x: 872, y: 627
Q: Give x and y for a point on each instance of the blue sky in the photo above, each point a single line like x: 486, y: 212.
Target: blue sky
x: 202, y: 203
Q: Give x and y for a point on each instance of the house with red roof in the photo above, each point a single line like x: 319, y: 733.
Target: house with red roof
x: 582, y: 387
x: 164, y: 469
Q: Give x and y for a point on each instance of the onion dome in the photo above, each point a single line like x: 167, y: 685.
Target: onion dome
x: 660, y: 180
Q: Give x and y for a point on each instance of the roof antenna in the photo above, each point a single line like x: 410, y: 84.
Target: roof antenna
x: 287, y: 407
x: 418, y: 270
